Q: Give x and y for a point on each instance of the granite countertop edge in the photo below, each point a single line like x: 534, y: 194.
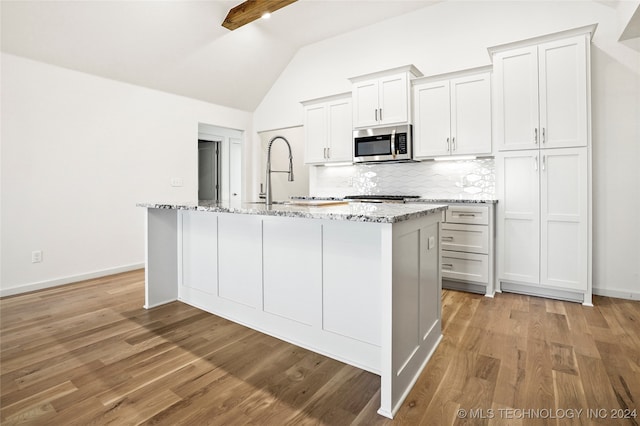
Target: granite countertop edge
x: 356, y: 212
x: 452, y: 200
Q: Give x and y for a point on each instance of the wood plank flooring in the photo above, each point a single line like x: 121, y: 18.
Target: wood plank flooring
x: 88, y: 353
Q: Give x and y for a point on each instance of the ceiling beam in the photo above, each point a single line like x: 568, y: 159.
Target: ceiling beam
x: 251, y: 10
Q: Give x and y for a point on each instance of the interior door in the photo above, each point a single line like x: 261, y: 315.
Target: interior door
x: 235, y: 169
x: 208, y: 170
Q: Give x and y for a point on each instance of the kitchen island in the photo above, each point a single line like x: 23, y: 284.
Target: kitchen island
x: 357, y: 282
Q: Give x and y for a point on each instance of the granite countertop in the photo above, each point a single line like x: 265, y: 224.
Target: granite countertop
x: 452, y: 200
x: 416, y: 200
x: 356, y: 212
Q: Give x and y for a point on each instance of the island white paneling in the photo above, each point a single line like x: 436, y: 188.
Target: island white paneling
x: 351, y: 301
x: 292, y: 253
x: 240, y: 260
x: 200, y: 251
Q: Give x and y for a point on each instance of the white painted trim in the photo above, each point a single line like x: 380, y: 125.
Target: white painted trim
x: 68, y: 280
x: 415, y: 73
x: 618, y: 294
x: 587, y: 29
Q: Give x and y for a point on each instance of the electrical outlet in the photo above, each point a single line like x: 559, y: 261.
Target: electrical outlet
x: 36, y: 256
x: 177, y: 182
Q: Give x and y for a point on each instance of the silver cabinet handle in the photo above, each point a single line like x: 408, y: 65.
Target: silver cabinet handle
x: 329, y: 152
x: 380, y: 114
x: 535, y: 135
x: 447, y: 265
x: 544, y: 136
x: 376, y: 114
x: 235, y: 194
x: 535, y: 162
x: 447, y: 238
x: 544, y: 162
x: 467, y: 214
x: 453, y: 143
x: 448, y: 145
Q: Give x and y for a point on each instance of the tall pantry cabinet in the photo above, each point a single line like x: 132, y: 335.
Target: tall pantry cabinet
x: 541, y: 96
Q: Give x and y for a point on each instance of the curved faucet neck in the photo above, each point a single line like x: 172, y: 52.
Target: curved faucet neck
x: 268, y: 193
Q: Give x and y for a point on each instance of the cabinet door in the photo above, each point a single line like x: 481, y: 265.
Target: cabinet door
x: 315, y: 130
x: 432, y: 128
x: 471, y: 115
x: 365, y: 99
x: 393, y: 99
x: 563, y: 217
x: 563, y: 93
x: 199, y: 263
x: 340, y: 131
x: 519, y: 216
x: 516, y: 98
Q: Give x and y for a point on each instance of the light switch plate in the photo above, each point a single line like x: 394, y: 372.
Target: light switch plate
x: 432, y: 242
x: 177, y: 182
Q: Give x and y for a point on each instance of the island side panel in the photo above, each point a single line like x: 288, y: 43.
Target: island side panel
x: 161, y: 271
x: 414, y: 308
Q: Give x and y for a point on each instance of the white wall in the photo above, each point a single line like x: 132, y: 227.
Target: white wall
x: 78, y: 153
x: 281, y: 188
x: 454, y: 35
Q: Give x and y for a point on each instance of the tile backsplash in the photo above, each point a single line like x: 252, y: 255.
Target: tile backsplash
x: 463, y: 179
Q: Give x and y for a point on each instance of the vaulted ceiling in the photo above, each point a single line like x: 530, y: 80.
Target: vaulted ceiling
x: 179, y: 46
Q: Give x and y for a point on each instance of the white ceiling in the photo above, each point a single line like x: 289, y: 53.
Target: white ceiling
x: 179, y: 46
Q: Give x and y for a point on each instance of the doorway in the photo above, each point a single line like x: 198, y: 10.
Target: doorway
x: 220, y: 177
x: 209, y: 170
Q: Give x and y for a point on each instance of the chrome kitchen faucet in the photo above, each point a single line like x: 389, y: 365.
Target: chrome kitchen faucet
x: 268, y: 196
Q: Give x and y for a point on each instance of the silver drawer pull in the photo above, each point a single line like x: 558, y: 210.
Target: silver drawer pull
x: 447, y: 265
x: 447, y: 238
x: 467, y: 214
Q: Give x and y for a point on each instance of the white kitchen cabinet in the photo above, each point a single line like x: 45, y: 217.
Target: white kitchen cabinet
x: 383, y: 98
x: 541, y: 93
x: 466, y: 240
x: 364, y: 293
x: 543, y: 219
x: 543, y: 130
x: 328, y: 130
x: 452, y: 115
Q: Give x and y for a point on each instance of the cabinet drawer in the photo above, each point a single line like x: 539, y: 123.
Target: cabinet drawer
x: 465, y: 266
x: 467, y: 238
x: 478, y: 215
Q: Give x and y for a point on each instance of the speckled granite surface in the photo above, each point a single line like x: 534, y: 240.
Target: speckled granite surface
x: 356, y: 212
x: 453, y: 200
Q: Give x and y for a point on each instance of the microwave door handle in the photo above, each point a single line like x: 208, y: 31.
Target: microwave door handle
x: 393, y: 143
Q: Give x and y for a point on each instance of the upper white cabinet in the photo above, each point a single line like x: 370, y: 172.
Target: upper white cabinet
x: 541, y: 94
x: 383, y: 98
x: 328, y: 130
x: 452, y: 114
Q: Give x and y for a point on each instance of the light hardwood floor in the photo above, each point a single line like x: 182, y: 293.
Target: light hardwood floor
x: 88, y: 353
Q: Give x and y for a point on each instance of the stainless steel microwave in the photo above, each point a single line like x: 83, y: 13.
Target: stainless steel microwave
x: 383, y: 144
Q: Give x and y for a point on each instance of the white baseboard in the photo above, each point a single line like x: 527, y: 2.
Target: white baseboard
x: 68, y: 280
x: 619, y: 294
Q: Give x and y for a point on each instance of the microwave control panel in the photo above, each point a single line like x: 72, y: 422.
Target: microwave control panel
x: 401, y: 143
